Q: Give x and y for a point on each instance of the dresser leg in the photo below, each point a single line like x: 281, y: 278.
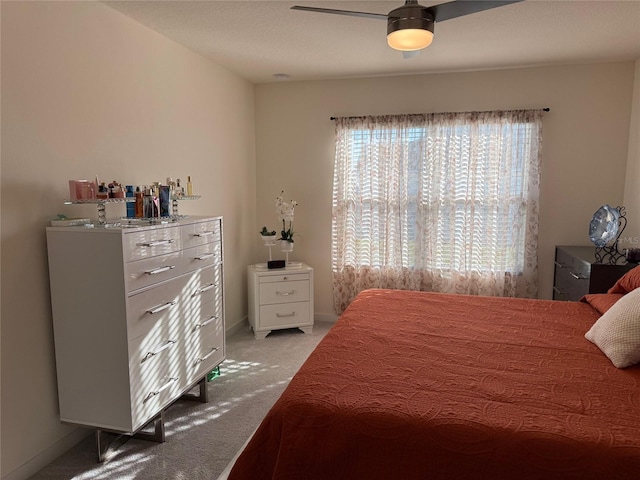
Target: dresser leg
x: 158, y: 430
x: 103, y: 444
x: 202, y: 396
x: 307, y: 329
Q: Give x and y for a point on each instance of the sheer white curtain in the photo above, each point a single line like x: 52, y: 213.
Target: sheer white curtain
x: 437, y: 202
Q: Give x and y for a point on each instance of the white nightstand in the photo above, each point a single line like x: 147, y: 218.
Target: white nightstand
x: 280, y: 298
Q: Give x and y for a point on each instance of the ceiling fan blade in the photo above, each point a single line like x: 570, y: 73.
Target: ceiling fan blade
x: 459, y: 8
x: 376, y: 16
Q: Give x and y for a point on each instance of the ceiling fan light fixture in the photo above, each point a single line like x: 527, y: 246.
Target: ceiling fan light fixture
x: 410, y: 28
x: 410, y: 39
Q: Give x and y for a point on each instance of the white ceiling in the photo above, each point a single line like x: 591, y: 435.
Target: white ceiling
x: 257, y: 39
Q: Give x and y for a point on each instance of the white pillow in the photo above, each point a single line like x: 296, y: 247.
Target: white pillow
x: 617, y: 332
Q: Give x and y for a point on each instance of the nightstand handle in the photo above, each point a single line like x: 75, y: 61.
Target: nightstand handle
x: 280, y: 315
x: 284, y: 294
x: 203, y: 234
x: 205, y: 256
x: 558, y: 291
x: 560, y: 265
x: 579, y: 276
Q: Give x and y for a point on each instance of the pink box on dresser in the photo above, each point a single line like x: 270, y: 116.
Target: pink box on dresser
x: 82, y: 190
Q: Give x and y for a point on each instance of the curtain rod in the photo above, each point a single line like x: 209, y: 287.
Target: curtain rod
x: 545, y: 109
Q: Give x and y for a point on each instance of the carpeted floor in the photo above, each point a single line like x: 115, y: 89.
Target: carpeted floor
x: 202, y: 438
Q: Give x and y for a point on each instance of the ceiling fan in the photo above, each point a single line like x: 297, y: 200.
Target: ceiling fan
x: 410, y: 27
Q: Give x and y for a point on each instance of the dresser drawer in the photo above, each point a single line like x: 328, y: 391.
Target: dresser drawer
x: 204, y: 286
x: 207, y: 319
x: 152, y: 353
x: 577, y: 273
x: 201, y: 256
x: 151, y: 395
x: 200, y: 233
x: 284, y: 315
x: 203, y: 355
x: 146, y: 272
x: 272, y: 293
x: 150, y: 243
x: 154, y: 306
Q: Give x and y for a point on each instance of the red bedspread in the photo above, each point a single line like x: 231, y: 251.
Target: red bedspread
x: 413, y: 385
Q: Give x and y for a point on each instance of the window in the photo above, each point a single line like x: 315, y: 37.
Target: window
x: 440, y: 202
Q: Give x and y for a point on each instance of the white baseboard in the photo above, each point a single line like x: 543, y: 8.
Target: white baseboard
x: 231, y: 329
x: 44, y: 458
x: 325, y: 317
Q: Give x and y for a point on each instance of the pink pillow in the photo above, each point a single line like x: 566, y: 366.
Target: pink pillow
x: 628, y: 282
x: 601, y: 301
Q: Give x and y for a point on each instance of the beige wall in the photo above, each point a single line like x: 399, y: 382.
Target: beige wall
x: 87, y: 91
x: 585, y: 144
x: 631, y: 234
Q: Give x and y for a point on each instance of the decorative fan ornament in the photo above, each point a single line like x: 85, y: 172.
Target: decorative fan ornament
x: 605, y: 229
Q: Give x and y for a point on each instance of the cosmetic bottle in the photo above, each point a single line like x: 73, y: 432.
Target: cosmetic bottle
x: 189, y: 187
x: 103, y: 193
x: 139, y: 204
x: 131, y: 206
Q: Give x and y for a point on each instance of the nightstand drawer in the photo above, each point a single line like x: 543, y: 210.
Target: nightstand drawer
x: 285, y: 277
x: 284, y: 315
x: 284, y: 292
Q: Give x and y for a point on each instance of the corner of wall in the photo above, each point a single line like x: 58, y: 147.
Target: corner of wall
x: 632, y: 178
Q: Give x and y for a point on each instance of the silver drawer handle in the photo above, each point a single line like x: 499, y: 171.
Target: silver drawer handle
x: 284, y: 294
x: 205, y: 256
x: 204, y: 289
x: 280, y: 315
x: 164, y: 387
x: 560, y: 265
x: 202, y: 359
x: 160, y: 269
x: 203, y: 234
x: 558, y: 291
x: 160, y: 308
x: 153, y: 353
x: 206, y: 322
x: 579, y: 276
x: 157, y: 243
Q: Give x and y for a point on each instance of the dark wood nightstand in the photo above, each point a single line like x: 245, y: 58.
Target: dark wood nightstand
x: 577, y: 273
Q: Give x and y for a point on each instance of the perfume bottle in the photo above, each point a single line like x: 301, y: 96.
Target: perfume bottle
x: 189, y: 187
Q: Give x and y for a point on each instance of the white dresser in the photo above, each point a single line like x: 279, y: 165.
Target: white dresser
x: 280, y: 298
x: 138, y: 317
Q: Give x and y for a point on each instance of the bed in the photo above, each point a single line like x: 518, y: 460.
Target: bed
x: 415, y: 385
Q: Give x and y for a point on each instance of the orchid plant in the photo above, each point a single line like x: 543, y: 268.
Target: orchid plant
x: 285, y: 212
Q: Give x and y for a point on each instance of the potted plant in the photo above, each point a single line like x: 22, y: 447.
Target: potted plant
x: 285, y: 211
x: 268, y: 236
x: 286, y: 237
